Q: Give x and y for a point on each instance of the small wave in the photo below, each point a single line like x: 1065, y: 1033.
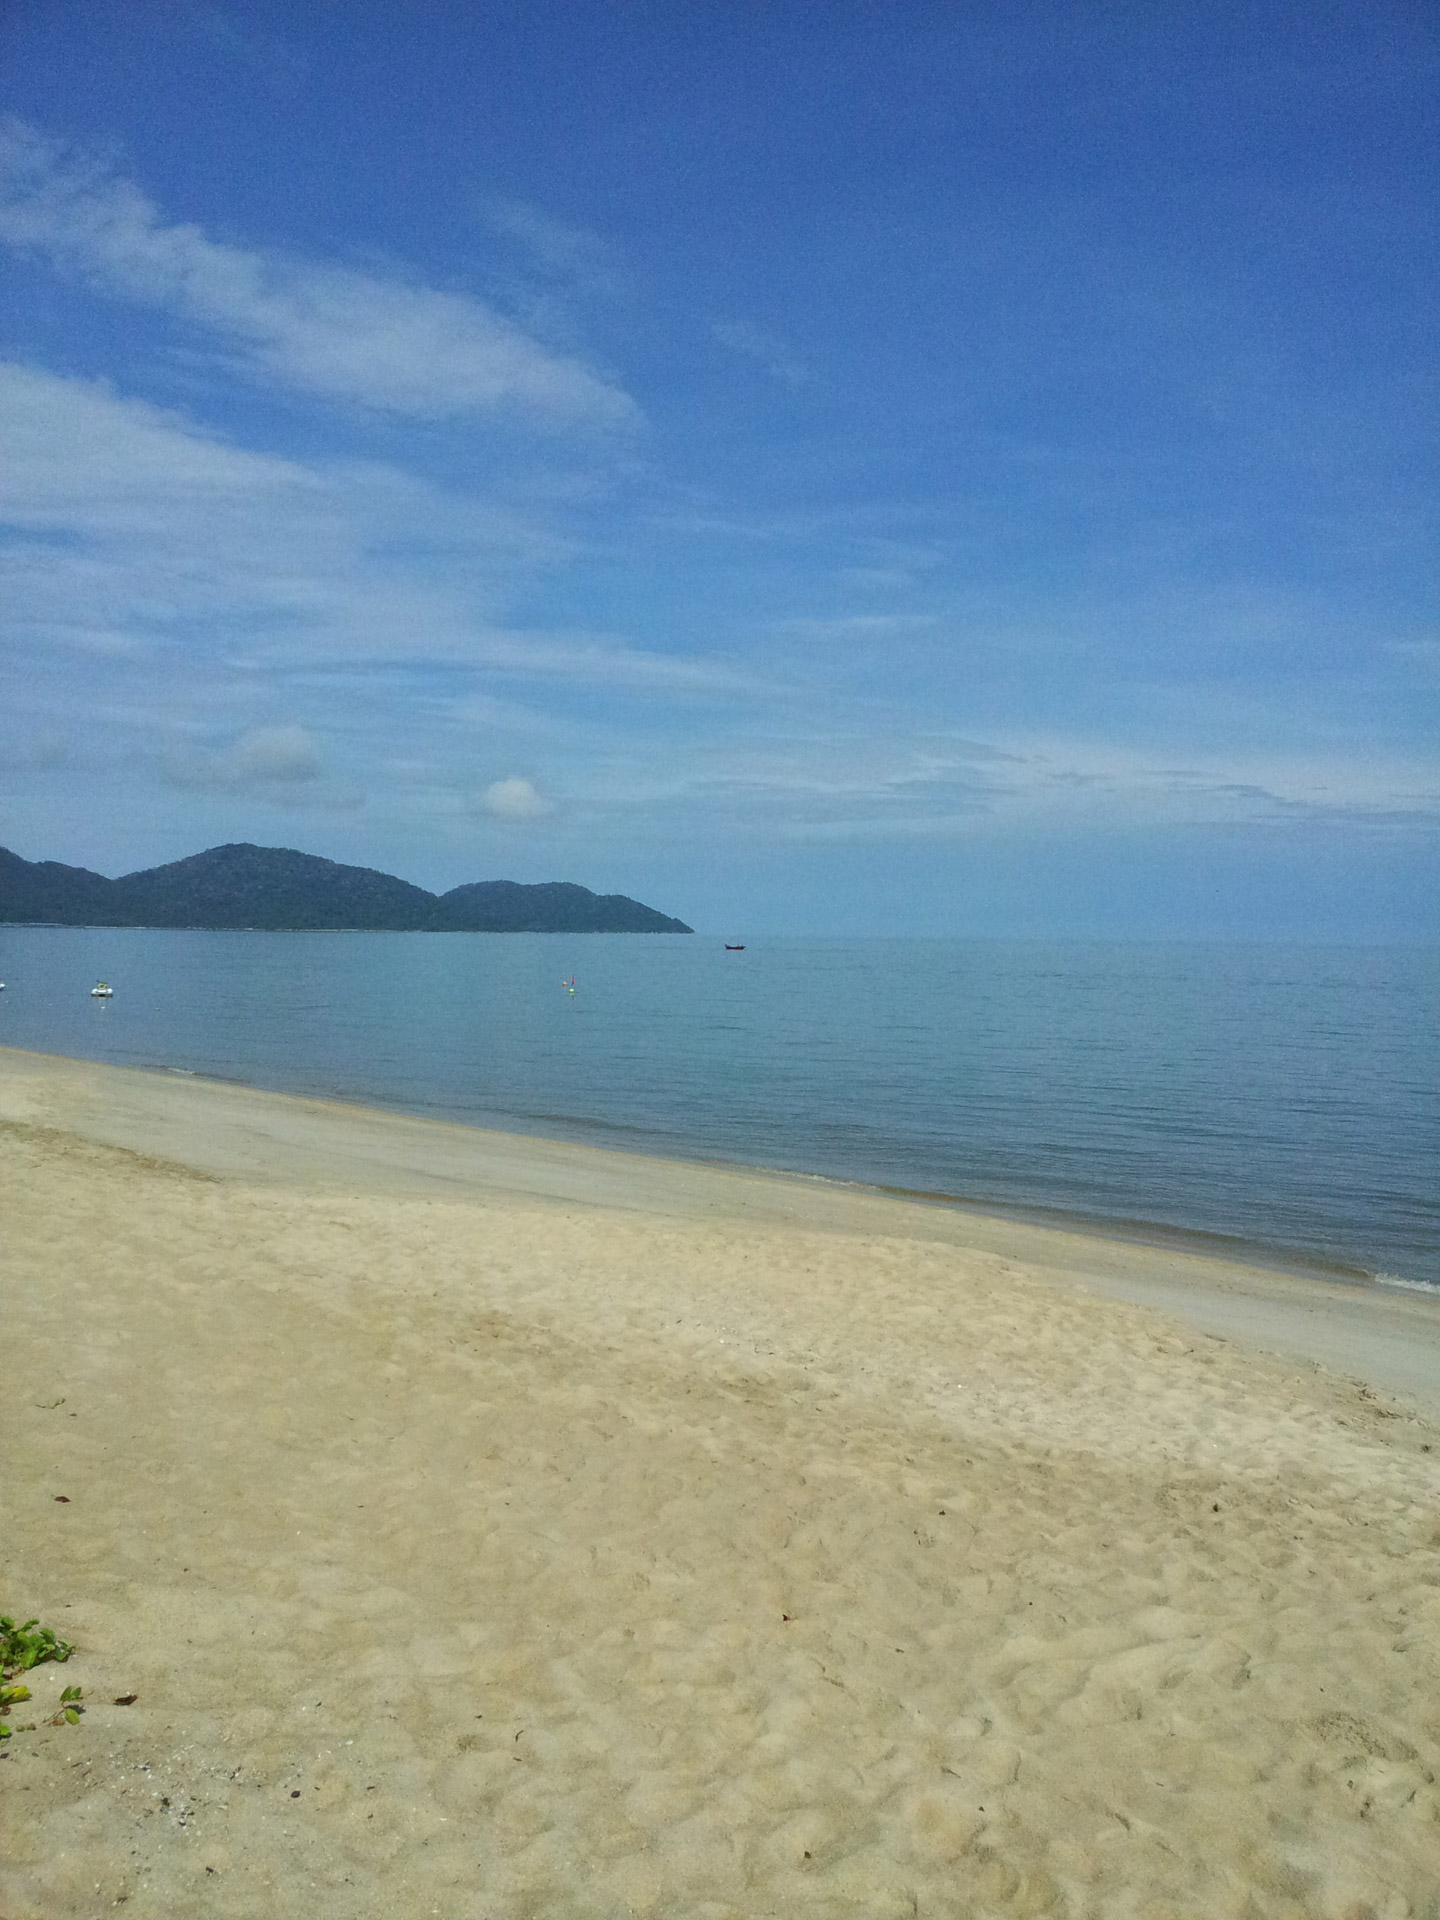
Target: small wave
x: 1407, y: 1286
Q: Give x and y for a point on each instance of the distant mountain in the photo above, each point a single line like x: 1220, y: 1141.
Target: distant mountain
x: 277, y: 889
x: 44, y: 890
x: 244, y: 886
x: 558, y: 906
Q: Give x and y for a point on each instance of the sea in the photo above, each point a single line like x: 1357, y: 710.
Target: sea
x: 1281, y: 1103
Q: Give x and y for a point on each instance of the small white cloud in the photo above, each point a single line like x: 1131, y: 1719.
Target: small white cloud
x: 514, y: 799
x: 277, y: 753
x: 266, y: 758
x: 378, y: 342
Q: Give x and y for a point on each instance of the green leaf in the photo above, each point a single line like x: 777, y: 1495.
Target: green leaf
x: 9, y: 1695
x: 26, y: 1646
x: 73, y: 1693
x: 72, y: 1716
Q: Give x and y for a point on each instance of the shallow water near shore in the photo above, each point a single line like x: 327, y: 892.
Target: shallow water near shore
x: 1285, y: 1098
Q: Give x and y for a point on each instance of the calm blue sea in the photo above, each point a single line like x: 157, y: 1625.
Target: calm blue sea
x: 1286, y: 1097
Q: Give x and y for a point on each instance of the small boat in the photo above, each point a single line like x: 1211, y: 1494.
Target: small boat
x: 730, y: 949
x: 102, y: 992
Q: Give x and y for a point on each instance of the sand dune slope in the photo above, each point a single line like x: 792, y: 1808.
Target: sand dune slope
x: 496, y: 1558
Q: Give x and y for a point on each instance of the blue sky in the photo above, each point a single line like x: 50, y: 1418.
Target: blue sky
x: 815, y: 467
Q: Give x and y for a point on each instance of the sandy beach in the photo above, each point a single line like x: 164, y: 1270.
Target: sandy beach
x: 495, y: 1529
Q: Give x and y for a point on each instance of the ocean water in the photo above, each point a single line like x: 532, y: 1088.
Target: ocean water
x: 1286, y: 1098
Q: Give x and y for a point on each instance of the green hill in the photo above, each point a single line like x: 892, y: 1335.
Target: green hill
x: 278, y: 889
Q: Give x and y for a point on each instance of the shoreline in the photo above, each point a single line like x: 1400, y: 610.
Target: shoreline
x: 463, y: 1523
x: 1158, y: 1235
x: 1386, y: 1334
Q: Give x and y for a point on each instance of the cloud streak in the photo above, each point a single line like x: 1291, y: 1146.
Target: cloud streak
x: 843, y: 782
x: 327, y: 330
x: 552, y: 248
x: 766, y: 349
x: 136, y: 538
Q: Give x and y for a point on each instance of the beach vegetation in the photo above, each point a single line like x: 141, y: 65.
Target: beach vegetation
x: 24, y: 1647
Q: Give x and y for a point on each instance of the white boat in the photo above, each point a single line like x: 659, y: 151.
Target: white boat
x: 101, y: 992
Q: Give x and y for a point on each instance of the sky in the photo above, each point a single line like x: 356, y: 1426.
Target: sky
x: 863, y: 467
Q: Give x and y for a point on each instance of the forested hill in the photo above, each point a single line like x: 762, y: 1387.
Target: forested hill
x: 276, y: 889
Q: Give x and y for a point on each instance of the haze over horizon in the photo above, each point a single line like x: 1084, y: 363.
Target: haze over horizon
x: 864, y: 469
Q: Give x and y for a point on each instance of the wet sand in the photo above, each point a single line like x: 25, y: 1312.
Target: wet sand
x: 494, y: 1528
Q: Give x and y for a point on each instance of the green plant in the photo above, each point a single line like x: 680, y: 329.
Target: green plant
x: 70, y: 1708
x: 23, y: 1647
x: 29, y: 1646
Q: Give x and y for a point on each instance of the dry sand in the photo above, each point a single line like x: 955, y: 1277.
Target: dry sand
x: 493, y: 1529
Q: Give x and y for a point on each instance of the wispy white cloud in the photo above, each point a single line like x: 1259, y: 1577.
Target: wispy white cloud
x: 765, y: 349
x: 130, y: 524
x: 836, y: 779
x: 880, y: 628
x: 191, y: 589
x: 551, y: 247
x: 1102, y: 782
x: 136, y: 538
x: 590, y: 660
x: 325, y: 329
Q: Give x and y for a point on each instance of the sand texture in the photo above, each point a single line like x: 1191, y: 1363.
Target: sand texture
x: 491, y: 1529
